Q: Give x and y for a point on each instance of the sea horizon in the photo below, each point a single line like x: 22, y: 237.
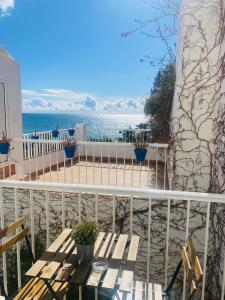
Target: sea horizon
x: 46, y: 121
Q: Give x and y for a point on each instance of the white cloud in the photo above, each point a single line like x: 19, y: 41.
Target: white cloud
x: 5, y: 6
x: 61, y: 100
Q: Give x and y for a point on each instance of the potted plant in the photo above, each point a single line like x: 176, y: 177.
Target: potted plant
x: 85, y: 235
x: 140, y: 150
x: 70, y: 148
x: 71, y: 131
x: 4, y: 144
x: 35, y: 136
x: 55, y: 132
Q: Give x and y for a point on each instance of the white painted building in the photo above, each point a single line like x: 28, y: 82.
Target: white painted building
x: 198, y: 96
x: 10, y: 100
x: 10, y: 95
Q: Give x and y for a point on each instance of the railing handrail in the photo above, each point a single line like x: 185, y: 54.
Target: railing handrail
x: 93, y: 128
x: 115, y: 190
x: 43, y: 132
x: 120, y: 129
x: 40, y: 141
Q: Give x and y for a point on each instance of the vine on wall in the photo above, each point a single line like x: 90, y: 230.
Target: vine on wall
x: 197, y: 153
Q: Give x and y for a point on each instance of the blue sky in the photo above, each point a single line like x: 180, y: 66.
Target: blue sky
x: 73, y: 57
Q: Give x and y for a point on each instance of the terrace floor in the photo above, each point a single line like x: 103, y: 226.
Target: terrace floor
x: 101, y: 173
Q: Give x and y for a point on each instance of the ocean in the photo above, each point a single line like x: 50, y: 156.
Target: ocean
x: 47, y: 122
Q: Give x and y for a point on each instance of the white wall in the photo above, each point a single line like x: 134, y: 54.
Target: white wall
x: 10, y: 76
x: 197, y: 94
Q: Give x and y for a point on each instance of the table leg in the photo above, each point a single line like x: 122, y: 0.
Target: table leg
x: 51, y: 290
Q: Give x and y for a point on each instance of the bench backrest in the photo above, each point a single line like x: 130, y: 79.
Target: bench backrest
x: 192, y: 266
x: 12, y: 234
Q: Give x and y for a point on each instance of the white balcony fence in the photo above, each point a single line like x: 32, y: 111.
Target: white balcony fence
x: 122, y: 135
x: 87, y: 133
x: 101, y: 163
x: 163, y: 219
x: 47, y: 135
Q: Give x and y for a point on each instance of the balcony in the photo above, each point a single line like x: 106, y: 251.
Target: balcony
x: 163, y: 219
x: 103, y: 157
x: 105, y: 183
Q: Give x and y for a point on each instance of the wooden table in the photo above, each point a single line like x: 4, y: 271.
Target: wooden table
x: 120, y: 250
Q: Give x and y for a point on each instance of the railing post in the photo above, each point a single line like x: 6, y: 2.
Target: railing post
x: 81, y: 135
x: 81, y: 132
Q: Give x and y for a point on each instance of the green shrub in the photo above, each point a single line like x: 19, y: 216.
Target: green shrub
x: 85, y: 233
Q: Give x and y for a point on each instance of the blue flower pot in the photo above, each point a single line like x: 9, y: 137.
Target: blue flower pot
x: 55, y: 133
x: 70, y: 151
x: 4, y: 148
x: 35, y: 137
x: 71, y: 132
x: 140, y: 154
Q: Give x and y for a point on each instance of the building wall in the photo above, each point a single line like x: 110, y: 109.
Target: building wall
x: 10, y: 76
x: 198, y: 100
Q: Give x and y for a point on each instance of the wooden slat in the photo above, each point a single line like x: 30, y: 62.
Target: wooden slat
x: 193, y: 288
x: 55, y: 246
x: 150, y: 291
x: 120, y: 246
x: 186, y: 263
x: 98, y: 242
x: 198, y: 269
x: 191, y: 250
x: 39, y: 294
x: 126, y: 284
x: 36, y: 268
x: 138, y: 290
x: 7, y: 245
x: 110, y: 245
x: 110, y: 278
x: 194, y: 259
x: 65, y: 250
x: 36, y: 291
x: 133, y: 249
x: 12, y: 227
x: 158, y: 291
x: 25, y: 289
x: 50, y: 270
x: 105, y: 245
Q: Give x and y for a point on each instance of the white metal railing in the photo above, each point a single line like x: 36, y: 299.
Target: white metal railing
x: 47, y: 135
x: 122, y: 135
x: 94, y: 163
x: 70, y: 201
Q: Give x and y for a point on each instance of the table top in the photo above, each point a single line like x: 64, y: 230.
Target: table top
x: 120, y: 249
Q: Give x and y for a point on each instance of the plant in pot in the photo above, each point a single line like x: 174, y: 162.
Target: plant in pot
x: 140, y: 150
x: 70, y: 148
x: 35, y: 136
x: 85, y: 235
x: 4, y: 144
x: 55, y: 132
x: 71, y: 131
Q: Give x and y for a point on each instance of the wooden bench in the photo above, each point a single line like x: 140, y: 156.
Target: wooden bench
x: 34, y: 288
x: 192, y: 269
